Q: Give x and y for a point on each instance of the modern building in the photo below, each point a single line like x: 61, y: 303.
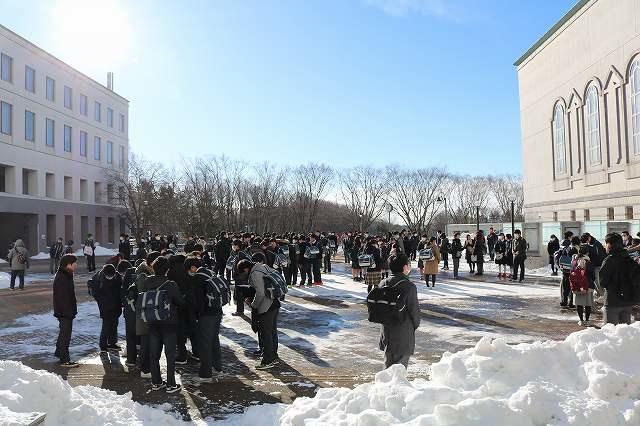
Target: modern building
x: 61, y: 133
x: 580, y: 121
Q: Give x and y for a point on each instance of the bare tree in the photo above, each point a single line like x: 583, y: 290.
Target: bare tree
x: 414, y: 195
x: 507, y: 188
x: 364, y: 191
x: 466, y: 195
x: 310, y: 183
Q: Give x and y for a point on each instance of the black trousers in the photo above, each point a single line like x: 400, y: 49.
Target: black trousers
x: 220, y: 268
x: 480, y: 264
x: 132, y: 340
x: 565, y: 290
x: 109, y: 331
x: 326, y: 266
x: 65, y: 326
x: 268, y: 332
x: 518, y: 263
x: 14, y: 275
x: 239, y: 294
x: 160, y: 336
x: 210, y: 355
x: 144, y: 356
x: 445, y: 258
x: 291, y: 274
x: 305, y: 272
x: 188, y: 329
x: 91, y: 262
x: 347, y: 256
x: 315, y: 267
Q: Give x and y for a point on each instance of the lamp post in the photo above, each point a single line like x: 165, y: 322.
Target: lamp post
x: 361, y: 222
x: 389, y: 208
x: 477, y: 218
x: 145, y: 213
x: 446, y: 212
x: 513, y: 201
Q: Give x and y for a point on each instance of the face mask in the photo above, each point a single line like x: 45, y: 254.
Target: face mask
x: 121, y: 239
x: 191, y: 274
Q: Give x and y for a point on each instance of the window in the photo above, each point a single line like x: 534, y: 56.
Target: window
x: 96, y: 148
x: 572, y: 215
x: 109, y: 117
x: 51, y: 132
x: 121, y: 157
x: 68, y: 188
x: 68, y: 95
x: 97, y: 111
x: 555, y: 216
x: 628, y: 213
x: 559, y: 140
x: 611, y: 213
x: 109, y: 152
x: 83, y: 105
x: 67, y: 138
x: 121, y: 123
x: 587, y: 215
x: 84, y: 190
x: 6, y: 115
x: 29, y: 126
x: 121, y: 194
x: 51, y: 89
x: 83, y: 144
x: 50, y: 185
x: 6, y: 65
x: 592, y: 120
x: 29, y: 79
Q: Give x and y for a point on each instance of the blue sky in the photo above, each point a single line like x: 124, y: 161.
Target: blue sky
x: 344, y: 82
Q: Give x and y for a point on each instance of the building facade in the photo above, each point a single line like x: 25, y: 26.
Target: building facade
x: 61, y: 135
x: 580, y: 121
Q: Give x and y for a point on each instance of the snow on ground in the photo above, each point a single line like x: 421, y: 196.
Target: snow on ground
x: 100, y: 251
x: 5, y: 278
x: 590, y: 378
x: 24, y: 390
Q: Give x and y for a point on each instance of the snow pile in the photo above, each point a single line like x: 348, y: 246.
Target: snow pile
x: 5, y: 279
x: 590, y: 378
x: 24, y: 390
x: 40, y: 256
x: 99, y: 251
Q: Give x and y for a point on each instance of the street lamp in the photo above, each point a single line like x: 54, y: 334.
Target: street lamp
x: 389, y: 209
x: 477, y: 218
x: 361, y: 222
x: 446, y: 214
x: 513, y: 201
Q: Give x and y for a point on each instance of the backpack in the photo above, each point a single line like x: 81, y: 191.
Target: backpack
x: 22, y: 259
x: 281, y: 260
x: 366, y: 261
x: 579, y: 280
x: 154, y: 305
x: 94, y: 284
x: 312, y: 252
x: 629, y: 290
x: 332, y: 244
x: 565, y: 259
x: 284, y: 249
x: 231, y: 262
x: 387, y: 305
x: 275, y: 285
x: 217, y: 293
x: 131, y: 296
x: 426, y: 254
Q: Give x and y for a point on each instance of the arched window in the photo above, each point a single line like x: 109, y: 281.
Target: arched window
x: 592, y: 120
x: 559, y: 139
x: 634, y: 77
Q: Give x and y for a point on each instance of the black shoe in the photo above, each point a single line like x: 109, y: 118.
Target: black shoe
x: 237, y: 314
x: 174, y: 388
x: 69, y: 364
x: 104, y: 351
x: 157, y: 387
x: 572, y: 306
x: 114, y: 348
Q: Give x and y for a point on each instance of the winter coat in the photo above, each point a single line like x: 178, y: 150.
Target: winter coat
x: 91, y: 243
x: 492, y: 239
x: 125, y: 248
x: 456, y: 246
x: 553, y: 246
x: 445, y: 246
x: 480, y: 247
x: 597, y: 253
x: 293, y: 257
x: 64, y: 295
x: 400, y: 339
x: 152, y: 282
x: 108, y: 295
x: 261, y: 302
x: 377, y: 258
x: 616, y: 268
x: 14, y: 263
x: 142, y: 272
x: 200, y: 292
x: 520, y: 248
x: 431, y: 267
x: 193, y: 296
x: 56, y: 250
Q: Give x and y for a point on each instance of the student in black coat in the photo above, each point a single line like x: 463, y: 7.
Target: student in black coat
x: 124, y: 247
x: 552, y: 247
x: 65, y: 307
x: 109, y: 298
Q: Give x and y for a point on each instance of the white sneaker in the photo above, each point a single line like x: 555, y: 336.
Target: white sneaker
x: 581, y: 323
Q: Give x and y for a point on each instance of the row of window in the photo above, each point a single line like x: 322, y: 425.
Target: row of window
x: 628, y: 214
x: 591, y: 123
x: 6, y: 74
x: 6, y: 120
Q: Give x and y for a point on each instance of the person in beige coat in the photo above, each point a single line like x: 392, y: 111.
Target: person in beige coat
x: 431, y: 266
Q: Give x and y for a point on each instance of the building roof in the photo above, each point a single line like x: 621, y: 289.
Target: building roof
x: 64, y: 64
x: 579, y: 5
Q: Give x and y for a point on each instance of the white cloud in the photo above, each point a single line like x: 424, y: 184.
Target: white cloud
x: 438, y: 8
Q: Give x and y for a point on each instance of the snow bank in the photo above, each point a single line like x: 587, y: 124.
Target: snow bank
x: 99, y: 251
x: 5, y: 279
x: 590, y: 378
x: 40, y: 256
x: 24, y: 390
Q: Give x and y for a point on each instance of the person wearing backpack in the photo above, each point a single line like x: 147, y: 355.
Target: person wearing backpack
x: 129, y: 295
x: 18, y: 263
x: 55, y: 253
x: 326, y: 254
x: 65, y: 307
x: 209, y: 318
x: 457, y: 252
x: 163, y: 332
x: 519, y: 255
x: 124, y: 247
x: 552, y: 248
x: 143, y: 271
x: 499, y: 253
x: 89, y: 250
x: 445, y: 246
x: 315, y: 259
x: 431, y: 266
x: 291, y: 273
x: 398, y: 339
x: 479, y: 250
x: 240, y: 285
x: 582, y: 282
x: 265, y: 309
x: 107, y: 286
x: 492, y: 239
x: 569, y: 247
x: 356, y: 271
x: 374, y: 275
x: 187, y: 314
x: 597, y: 253
x: 619, y: 276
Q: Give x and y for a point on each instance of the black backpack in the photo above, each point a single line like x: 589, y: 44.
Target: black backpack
x: 217, y: 292
x: 629, y: 289
x: 275, y: 285
x: 387, y: 305
x: 231, y: 262
x: 94, y: 284
x: 154, y: 305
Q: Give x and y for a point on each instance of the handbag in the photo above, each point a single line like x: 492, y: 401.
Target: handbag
x: 499, y: 256
x: 474, y: 258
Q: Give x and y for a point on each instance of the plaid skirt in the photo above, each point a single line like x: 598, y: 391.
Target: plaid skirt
x: 373, y: 278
